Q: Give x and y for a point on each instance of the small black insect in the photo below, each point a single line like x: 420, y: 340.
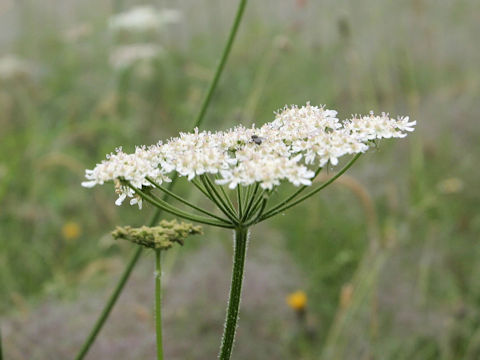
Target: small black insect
x: 257, y: 139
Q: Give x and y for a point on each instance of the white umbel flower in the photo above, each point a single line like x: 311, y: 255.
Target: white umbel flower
x: 142, y: 19
x: 127, y: 55
x: 12, y: 67
x: 299, y: 141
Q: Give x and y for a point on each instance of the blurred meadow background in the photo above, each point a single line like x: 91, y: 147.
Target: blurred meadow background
x: 384, y: 264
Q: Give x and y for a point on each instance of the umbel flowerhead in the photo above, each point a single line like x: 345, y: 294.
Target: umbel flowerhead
x: 161, y: 237
x: 293, y: 148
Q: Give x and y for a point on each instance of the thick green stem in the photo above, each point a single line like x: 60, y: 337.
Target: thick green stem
x: 240, y: 246
x: 131, y: 264
x: 158, y: 303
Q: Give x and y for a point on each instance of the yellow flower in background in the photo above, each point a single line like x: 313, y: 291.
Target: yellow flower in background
x: 71, y: 230
x: 297, y: 300
x: 450, y: 185
x: 346, y: 295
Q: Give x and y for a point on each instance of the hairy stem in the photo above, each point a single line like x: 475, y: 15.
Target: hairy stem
x: 158, y: 303
x: 240, y: 248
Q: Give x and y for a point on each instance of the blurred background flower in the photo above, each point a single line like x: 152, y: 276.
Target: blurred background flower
x: 297, y: 300
x: 127, y: 55
x: 143, y: 19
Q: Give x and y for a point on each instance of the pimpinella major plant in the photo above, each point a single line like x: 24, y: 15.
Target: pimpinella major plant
x: 237, y: 170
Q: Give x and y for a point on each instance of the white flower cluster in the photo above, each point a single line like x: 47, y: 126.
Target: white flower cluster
x: 142, y: 19
x: 290, y: 148
x: 12, y: 67
x: 127, y: 55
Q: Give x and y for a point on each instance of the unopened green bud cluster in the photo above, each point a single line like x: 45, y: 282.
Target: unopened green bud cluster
x: 161, y: 237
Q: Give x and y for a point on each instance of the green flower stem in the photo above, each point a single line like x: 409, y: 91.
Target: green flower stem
x: 239, y: 202
x: 210, y: 195
x: 250, y: 200
x: 223, y: 61
x: 217, y: 198
x: 246, y: 196
x: 240, y: 248
x: 260, y: 213
x: 271, y: 213
x: 227, y: 198
x: 186, y: 202
x: 224, y: 199
x: 198, y: 121
x: 158, y: 303
x: 168, y: 208
x: 202, y: 189
x: 255, y: 205
x: 294, y: 195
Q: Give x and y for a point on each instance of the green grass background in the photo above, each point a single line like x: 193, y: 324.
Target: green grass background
x: 406, y: 243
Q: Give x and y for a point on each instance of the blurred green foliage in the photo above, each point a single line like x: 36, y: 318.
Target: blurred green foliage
x: 407, y: 281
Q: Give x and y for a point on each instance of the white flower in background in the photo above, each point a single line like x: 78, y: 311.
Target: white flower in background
x: 126, y: 55
x: 77, y: 33
x: 291, y: 148
x: 143, y: 19
x: 13, y: 67
x: 170, y: 16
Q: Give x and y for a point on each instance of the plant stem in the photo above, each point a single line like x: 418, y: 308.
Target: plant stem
x: 227, y: 198
x: 186, y: 202
x: 217, y: 199
x: 239, y: 202
x: 260, y: 213
x: 223, y: 61
x: 311, y: 193
x: 108, y: 307
x: 131, y: 264
x: 254, y: 206
x: 180, y: 213
x: 158, y: 303
x: 240, y: 246
x: 294, y: 195
x: 250, y: 200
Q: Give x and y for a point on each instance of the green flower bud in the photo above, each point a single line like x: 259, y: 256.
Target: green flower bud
x: 160, y: 237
